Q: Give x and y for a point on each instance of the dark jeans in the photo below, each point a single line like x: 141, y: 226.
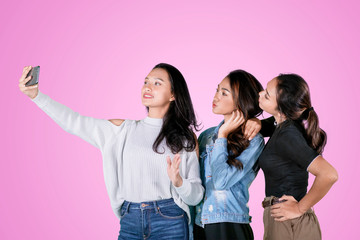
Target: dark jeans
x: 161, y: 219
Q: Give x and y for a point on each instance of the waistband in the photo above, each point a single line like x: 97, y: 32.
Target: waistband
x: 269, y: 201
x: 150, y: 204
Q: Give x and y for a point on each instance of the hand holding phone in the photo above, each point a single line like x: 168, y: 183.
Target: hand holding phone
x: 34, y: 73
x: 28, y: 84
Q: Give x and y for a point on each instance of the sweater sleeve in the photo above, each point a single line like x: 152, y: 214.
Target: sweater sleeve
x: 95, y: 131
x: 225, y: 176
x: 191, y: 191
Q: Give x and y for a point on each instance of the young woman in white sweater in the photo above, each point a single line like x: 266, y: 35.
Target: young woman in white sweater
x: 151, y: 166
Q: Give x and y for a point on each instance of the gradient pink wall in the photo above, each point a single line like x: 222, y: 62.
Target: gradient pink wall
x: 94, y: 56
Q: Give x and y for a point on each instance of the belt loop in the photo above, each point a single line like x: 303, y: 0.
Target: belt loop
x: 271, y: 200
x: 156, y: 206
x: 127, y: 206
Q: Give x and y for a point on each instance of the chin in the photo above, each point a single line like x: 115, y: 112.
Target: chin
x: 145, y: 104
x: 217, y: 113
x: 261, y: 107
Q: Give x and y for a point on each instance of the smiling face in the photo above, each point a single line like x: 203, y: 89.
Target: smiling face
x: 267, y: 99
x: 156, y: 91
x: 223, y: 102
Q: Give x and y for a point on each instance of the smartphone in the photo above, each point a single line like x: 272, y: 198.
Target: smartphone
x: 34, y: 73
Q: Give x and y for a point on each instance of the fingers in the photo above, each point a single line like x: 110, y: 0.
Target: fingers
x: 24, y: 88
x: 177, y: 161
x: 250, y: 134
x: 249, y: 130
x: 232, y: 116
x: 276, y: 214
x: 276, y: 206
x: 168, y: 160
x: 287, y: 198
x: 255, y: 131
x: 253, y: 126
x: 238, y: 117
x: 241, y: 116
x: 24, y: 81
x: 26, y: 70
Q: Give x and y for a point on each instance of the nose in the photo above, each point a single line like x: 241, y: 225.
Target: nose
x: 147, y: 88
x: 216, y: 97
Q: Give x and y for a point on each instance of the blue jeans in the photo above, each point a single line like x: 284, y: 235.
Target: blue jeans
x: 161, y: 219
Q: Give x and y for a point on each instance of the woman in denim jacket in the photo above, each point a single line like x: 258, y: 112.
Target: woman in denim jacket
x: 228, y: 161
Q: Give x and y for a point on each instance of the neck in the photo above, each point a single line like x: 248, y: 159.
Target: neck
x: 157, y: 112
x: 279, y: 118
x: 226, y: 117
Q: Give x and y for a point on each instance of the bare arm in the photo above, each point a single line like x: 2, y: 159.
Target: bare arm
x: 325, y: 177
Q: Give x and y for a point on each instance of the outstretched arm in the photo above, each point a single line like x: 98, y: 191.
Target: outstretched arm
x: 94, y: 131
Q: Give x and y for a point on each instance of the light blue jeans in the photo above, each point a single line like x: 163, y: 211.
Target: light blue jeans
x: 161, y: 219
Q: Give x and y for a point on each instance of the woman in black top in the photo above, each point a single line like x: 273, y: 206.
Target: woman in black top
x: 293, y: 150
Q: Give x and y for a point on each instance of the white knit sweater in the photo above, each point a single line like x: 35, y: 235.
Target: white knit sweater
x: 132, y: 170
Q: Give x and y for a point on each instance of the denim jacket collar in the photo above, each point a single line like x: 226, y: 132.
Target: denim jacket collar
x: 216, y: 131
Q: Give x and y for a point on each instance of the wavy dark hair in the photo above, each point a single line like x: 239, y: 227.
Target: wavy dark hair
x: 293, y: 100
x: 179, y: 120
x: 245, y: 90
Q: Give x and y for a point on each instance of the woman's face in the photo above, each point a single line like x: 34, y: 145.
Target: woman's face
x: 267, y: 99
x: 156, y: 91
x: 223, y: 102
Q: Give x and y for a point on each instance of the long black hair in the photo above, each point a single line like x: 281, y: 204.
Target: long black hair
x: 179, y: 121
x: 293, y: 100
x: 245, y: 90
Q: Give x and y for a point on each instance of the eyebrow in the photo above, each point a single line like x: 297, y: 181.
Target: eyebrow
x: 224, y: 89
x: 156, y: 79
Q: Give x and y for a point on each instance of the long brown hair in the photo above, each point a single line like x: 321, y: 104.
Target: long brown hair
x: 293, y: 99
x: 245, y: 90
x: 180, y: 119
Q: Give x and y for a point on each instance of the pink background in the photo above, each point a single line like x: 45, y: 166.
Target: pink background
x: 94, y: 56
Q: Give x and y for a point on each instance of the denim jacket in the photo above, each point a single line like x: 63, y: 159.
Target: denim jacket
x: 226, y: 187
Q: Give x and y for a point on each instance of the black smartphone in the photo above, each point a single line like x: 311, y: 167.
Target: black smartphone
x: 34, y: 72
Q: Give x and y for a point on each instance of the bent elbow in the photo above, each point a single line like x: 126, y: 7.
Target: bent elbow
x: 333, y: 177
